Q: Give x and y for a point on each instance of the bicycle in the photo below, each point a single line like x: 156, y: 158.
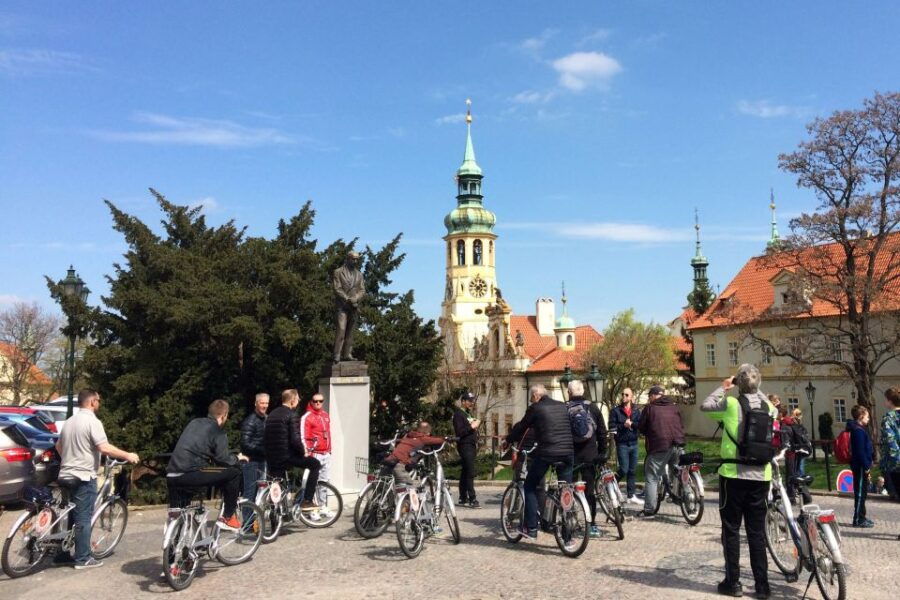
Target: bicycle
x: 376, y: 504
x: 810, y: 541
x: 565, y: 509
x: 684, y: 485
x: 44, y: 527
x: 279, y: 499
x: 187, y: 535
x: 610, y: 498
x: 420, y: 508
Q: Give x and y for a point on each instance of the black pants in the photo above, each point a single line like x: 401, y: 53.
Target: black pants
x: 227, y: 479
x: 586, y: 472
x: 467, y: 475
x: 304, y: 462
x: 791, y: 468
x: 860, y: 492
x: 742, y: 499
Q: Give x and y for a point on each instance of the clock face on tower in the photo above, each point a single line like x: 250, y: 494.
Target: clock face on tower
x: 478, y: 287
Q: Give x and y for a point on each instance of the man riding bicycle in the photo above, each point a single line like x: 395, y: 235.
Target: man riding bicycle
x: 549, y: 420
x: 201, y: 459
x: 402, y: 456
x: 283, y: 442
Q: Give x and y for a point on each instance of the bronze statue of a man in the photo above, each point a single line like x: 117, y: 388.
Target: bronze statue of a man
x: 348, y: 292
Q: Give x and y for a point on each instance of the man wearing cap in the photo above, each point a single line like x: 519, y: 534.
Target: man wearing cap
x: 662, y: 429
x: 349, y: 290
x: 465, y: 426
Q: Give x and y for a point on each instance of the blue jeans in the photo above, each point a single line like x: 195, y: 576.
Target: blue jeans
x: 251, y: 471
x: 627, y: 455
x: 83, y: 496
x: 654, y: 469
x: 536, y: 471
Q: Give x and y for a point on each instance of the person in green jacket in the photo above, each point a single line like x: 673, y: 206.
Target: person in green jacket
x: 743, y: 488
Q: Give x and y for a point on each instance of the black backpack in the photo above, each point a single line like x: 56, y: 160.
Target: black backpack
x: 755, y: 433
x: 800, y: 442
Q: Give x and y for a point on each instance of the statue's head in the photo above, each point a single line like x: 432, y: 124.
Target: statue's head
x: 353, y: 259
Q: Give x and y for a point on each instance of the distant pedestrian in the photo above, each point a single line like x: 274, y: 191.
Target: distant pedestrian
x: 253, y: 447
x: 743, y: 481
x: 790, y: 438
x: 662, y: 427
x: 465, y: 427
x: 862, y: 454
x: 890, y: 442
x: 315, y: 425
x: 624, y: 420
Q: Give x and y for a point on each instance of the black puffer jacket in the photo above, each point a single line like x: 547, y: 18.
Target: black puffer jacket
x: 466, y: 435
x: 282, y: 437
x: 202, y: 444
x: 549, y: 421
x: 252, y: 437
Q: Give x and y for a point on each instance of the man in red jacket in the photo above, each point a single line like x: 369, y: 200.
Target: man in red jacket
x: 315, y: 427
x: 401, y: 457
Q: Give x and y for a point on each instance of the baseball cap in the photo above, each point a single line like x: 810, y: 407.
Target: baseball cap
x: 657, y: 389
x: 468, y: 396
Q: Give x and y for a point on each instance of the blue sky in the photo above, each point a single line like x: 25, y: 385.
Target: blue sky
x: 599, y: 128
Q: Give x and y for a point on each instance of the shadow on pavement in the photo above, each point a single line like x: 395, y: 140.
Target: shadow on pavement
x: 152, y: 580
x: 706, y: 578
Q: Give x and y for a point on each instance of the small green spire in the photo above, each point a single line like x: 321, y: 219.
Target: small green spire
x: 565, y: 321
x: 698, y: 254
x: 774, y: 238
x: 469, y: 166
x: 702, y: 295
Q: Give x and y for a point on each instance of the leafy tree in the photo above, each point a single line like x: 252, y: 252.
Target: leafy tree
x: 632, y: 354
x: 198, y: 312
x: 845, y: 257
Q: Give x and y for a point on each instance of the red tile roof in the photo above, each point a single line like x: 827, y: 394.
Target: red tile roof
x: 535, y: 343
x: 555, y: 359
x: 750, y: 294
x: 37, y: 376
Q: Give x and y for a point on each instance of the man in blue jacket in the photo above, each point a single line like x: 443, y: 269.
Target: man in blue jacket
x: 861, y: 456
x: 623, y: 422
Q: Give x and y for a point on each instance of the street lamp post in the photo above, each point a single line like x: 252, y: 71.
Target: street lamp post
x: 595, y: 382
x: 811, y: 397
x: 73, y: 286
x: 564, y: 380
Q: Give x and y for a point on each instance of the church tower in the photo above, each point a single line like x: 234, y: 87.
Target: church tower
x: 471, y: 282
x: 702, y: 296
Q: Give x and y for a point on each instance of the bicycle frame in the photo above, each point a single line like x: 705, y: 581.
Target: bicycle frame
x: 440, y: 502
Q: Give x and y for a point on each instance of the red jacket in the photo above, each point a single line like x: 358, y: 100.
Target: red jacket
x: 315, y: 427
x: 413, y: 441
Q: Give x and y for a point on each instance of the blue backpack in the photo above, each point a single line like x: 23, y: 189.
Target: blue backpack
x: 581, y: 421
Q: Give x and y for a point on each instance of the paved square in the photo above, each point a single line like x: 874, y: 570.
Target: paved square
x: 664, y: 558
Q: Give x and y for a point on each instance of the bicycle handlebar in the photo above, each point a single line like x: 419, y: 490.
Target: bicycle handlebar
x: 424, y: 452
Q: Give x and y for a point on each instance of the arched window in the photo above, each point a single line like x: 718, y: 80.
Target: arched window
x: 449, y: 251
x: 460, y: 252
x: 497, y: 342
x: 476, y: 252
x: 569, y: 341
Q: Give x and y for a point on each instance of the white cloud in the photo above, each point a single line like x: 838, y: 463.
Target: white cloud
x: 765, y: 109
x: 638, y: 233
x: 598, y: 35
x: 533, y: 97
x: 581, y: 69
x: 534, y: 45
x: 206, y: 205
x: 448, y: 119
x: 10, y: 299
x: 40, y: 61
x: 191, y: 131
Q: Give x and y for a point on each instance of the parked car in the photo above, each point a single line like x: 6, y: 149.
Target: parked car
x: 30, y: 426
x: 17, y: 466
x: 46, y: 416
x: 56, y: 412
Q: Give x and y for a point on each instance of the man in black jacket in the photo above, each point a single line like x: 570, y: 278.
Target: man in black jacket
x: 252, y: 447
x: 283, y: 444
x: 465, y: 426
x: 549, y: 419
x: 624, y: 420
x: 589, y: 451
x: 201, y: 459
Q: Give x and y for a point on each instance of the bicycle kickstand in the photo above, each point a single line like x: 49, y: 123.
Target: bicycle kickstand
x: 808, y: 583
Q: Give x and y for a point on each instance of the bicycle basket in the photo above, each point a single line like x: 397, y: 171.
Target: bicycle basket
x: 690, y: 458
x: 36, y: 495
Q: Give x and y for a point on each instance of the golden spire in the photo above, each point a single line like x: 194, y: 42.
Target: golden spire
x: 469, y: 111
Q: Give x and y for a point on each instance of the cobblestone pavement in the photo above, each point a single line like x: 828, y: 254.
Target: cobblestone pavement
x: 664, y: 558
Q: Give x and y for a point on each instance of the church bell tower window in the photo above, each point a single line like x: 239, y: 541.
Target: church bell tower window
x: 460, y: 252
x: 476, y: 252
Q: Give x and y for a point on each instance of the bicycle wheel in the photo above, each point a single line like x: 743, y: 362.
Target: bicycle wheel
x: 369, y: 517
x: 179, y: 559
x: 452, y: 521
x: 691, y: 502
x: 830, y: 576
x: 234, y: 546
x: 108, y: 527
x: 22, y: 552
x: 603, y: 499
x: 660, y: 494
x: 271, y: 519
x: 620, y: 522
x: 780, y: 543
x: 572, y: 529
x: 512, y: 513
x: 330, y: 506
x: 410, y: 534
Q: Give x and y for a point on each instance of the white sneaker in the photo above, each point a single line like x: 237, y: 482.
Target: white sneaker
x: 635, y: 500
x: 325, y: 513
x: 314, y: 515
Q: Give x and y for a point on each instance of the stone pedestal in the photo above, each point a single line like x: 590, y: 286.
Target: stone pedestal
x: 347, y: 403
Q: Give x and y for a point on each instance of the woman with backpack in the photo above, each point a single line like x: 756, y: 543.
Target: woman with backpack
x: 791, y: 436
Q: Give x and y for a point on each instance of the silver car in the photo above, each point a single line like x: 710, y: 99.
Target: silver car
x: 17, y: 466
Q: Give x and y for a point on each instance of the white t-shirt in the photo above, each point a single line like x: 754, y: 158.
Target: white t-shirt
x: 78, y: 446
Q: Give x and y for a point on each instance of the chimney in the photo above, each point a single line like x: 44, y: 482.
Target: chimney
x: 545, y: 315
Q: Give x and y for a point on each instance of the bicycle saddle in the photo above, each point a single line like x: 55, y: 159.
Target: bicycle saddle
x: 802, y: 479
x: 68, y: 483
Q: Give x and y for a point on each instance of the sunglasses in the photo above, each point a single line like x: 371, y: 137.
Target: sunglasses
x: 317, y: 401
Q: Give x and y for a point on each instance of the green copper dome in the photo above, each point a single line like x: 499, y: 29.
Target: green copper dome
x: 470, y: 217
x: 565, y: 322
